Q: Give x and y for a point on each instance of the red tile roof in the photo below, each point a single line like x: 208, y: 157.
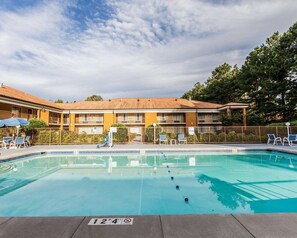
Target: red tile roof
x: 25, y: 97
x: 140, y: 103
x: 117, y: 103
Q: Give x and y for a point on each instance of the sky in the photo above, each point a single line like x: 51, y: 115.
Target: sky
x: 71, y: 49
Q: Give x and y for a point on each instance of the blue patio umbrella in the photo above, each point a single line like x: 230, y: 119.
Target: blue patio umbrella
x: 14, y: 122
x: 17, y: 122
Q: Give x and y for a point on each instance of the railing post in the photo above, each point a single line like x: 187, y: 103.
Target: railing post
x: 242, y: 140
x: 60, y: 136
x: 260, y: 134
x: 50, y: 137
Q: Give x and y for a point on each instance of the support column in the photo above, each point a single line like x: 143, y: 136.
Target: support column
x: 108, y: 120
x: 44, y: 115
x: 150, y: 118
x: 71, y: 122
x: 244, y: 117
x: 229, y: 112
x: 191, y: 119
x: 61, y: 121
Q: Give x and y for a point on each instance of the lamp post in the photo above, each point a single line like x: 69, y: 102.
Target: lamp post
x: 154, y: 125
x: 288, y: 128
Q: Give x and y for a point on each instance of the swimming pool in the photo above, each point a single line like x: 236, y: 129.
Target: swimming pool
x: 74, y: 184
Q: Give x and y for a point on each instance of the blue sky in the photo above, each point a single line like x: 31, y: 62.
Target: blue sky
x: 71, y: 49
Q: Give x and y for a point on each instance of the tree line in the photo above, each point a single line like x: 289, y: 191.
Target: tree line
x: 267, y: 81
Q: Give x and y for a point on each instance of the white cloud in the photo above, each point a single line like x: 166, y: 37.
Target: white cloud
x: 146, y: 48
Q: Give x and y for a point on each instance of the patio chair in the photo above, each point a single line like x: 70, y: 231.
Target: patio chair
x: 5, y: 143
x: 163, y: 139
x: 27, y: 141
x: 181, y: 139
x: 18, y: 142
x: 274, y: 139
x: 290, y: 139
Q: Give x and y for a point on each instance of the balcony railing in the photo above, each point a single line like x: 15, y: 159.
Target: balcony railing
x: 206, y: 122
x: 171, y: 121
x: 130, y: 121
x: 54, y: 121
x: 89, y: 122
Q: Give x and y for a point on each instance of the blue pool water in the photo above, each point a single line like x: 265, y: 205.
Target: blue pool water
x: 134, y: 184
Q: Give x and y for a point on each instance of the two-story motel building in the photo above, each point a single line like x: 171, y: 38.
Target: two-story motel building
x: 97, y: 116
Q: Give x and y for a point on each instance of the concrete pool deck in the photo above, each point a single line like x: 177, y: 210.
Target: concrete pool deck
x: 164, y: 226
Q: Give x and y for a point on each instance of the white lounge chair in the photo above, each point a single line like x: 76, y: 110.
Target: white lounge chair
x: 17, y: 143
x: 27, y: 141
x: 5, y: 143
x: 163, y: 139
x: 181, y: 139
x: 290, y: 139
x: 274, y: 139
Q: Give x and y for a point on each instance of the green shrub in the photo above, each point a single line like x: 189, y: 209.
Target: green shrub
x: 149, y: 132
x: 192, y: 139
x: 42, y: 137
x: 69, y: 137
x: 121, y: 135
x: 83, y: 138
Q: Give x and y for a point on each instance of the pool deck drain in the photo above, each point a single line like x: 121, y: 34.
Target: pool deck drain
x: 171, y: 226
x: 276, y: 225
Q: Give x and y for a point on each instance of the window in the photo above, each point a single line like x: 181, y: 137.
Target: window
x: 29, y: 114
x: 16, y: 112
x: 201, y: 117
x: 215, y: 117
x: 176, y: 117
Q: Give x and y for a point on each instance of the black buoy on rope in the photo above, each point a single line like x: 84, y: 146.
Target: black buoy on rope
x: 186, y: 199
x: 167, y: 166
x: 172, y: 177
x: 177, y: 187
x: 168, y: 171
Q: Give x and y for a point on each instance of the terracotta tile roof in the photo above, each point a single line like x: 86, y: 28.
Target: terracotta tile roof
x: 22, y: 96
x: 140, y: 103
x: 117, y: 103
x: 236, y: 104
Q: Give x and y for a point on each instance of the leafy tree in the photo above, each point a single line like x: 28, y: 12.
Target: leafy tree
x: 31, y: 129
x: 195, y: 93
x: 221, y: 87
x: 94, y: 98
x: 268, y: 80
x: 36, y: 123
x: 59, y: 101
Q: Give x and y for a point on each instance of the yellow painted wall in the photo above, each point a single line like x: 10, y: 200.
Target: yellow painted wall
x: 191, y: 119
x: 108, y: 119
x: 71, y: 122
x: 61, y: 121
x: 5, y: 110
x: 150, y: 118
x: 44, y: 115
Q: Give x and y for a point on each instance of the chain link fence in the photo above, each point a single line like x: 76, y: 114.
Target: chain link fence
x: 224, y: 135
